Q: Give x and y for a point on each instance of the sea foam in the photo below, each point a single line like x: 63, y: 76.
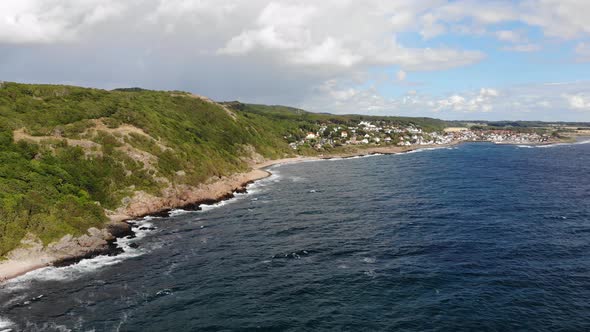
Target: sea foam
x: 141, y: 228
x: 553, y: 145
x: 427, y: 149
x: 5, y: 324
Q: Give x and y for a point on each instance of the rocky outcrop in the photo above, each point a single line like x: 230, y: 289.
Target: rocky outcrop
x: 179, y: 196
x: 32, y: 254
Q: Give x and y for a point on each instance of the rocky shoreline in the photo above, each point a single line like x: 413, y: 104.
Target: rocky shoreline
x: 69, y: 250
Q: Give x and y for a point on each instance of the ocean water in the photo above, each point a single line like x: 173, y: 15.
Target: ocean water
x: 478, y: 237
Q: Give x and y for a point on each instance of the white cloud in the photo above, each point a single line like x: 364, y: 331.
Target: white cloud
x: 431, y: 26
x: 217, y: 45
x: 481, y: 102
x: 580, y: 101
x: 582, y: 52
x: 565, y: 19
x: 329, y: 52
x: 509, y: 36
x: 174, y: 10
x: 548, y: 102
x: 38, y: 21
x: 518, y: 41
x: 523, y: 48
x: 342, y: 34
x: 401, y: 75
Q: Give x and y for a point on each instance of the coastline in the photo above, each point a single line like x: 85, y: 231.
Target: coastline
x: 99, y: 242
x: 70, y: 249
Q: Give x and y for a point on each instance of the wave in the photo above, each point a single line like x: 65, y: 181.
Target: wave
x: 179, y: 212
x: 141, y: 228
x: 366, y: 156
x: 250, y: 189
x: 553, y: 145
x: 353, y: 157
x: 5, y: 324
x: 209, y: 207
x: 427, y: 149
x: 257, y: 186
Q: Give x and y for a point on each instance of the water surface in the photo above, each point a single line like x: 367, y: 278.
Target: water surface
x: 477, y: 237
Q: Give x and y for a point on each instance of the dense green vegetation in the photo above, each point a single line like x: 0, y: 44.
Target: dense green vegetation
x: 68, y: 153
x: 294, y: 118
x: 51, y: 187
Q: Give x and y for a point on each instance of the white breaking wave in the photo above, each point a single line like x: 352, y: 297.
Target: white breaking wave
x: 179, y: 212
x: 354, y: 157
x: 426, y: 149
x: 71, y: 272
x: 365, y: 156
x: 250, y: 189
x: 209, y: 207
x: 553, y: 145
x: 257, y: 186
x: 5, y: 324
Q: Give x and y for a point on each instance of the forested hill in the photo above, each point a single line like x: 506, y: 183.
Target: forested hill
x: 68, y: 153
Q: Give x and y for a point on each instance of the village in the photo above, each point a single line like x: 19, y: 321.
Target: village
x: 382, y: 134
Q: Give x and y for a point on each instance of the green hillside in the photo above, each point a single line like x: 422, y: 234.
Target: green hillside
x: 68, y: 153
x: 69, y: 160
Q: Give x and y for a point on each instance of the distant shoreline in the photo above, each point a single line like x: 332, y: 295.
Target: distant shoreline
x: 205, y: 194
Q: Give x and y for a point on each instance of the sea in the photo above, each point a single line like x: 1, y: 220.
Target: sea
x: 475, y: 237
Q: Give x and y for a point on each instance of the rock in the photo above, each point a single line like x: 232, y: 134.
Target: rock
x: 119, y: 229
x: 95, y: 232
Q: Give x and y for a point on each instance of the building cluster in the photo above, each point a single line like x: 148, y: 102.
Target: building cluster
x: 499, y: 136
x: 382, y: 134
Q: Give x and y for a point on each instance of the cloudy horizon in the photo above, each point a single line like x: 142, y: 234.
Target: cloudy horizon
x: 463, y: 59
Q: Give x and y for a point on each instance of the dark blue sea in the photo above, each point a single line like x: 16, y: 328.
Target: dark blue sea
x: 478, y: 237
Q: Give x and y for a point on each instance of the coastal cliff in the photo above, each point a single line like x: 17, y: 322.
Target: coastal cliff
x: 76, y: 163
x: 33, y: 254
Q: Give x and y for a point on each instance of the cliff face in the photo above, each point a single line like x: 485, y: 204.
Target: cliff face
x: 74, y: 159
x: 178, y: 196
x: 32, y: 254
x: 71, y: 159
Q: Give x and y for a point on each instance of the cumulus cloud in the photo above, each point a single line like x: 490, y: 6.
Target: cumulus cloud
x: 564, y: 19
x: 482, y: 102
x: 273, y: 51
x: 580, y: 101
x: 509, y: 36
x: 39, y: 21
x: 582, y: 51
x: 343, y: 34
x: 550, y: 102
x: 523, y: 48
x: 401, y: 75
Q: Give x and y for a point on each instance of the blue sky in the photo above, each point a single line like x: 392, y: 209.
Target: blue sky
x: 462, y: 59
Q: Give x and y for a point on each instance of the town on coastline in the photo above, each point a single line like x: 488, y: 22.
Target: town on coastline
x: 380, y: 133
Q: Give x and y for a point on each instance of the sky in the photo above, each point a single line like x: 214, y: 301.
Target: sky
x: 460, y: 59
